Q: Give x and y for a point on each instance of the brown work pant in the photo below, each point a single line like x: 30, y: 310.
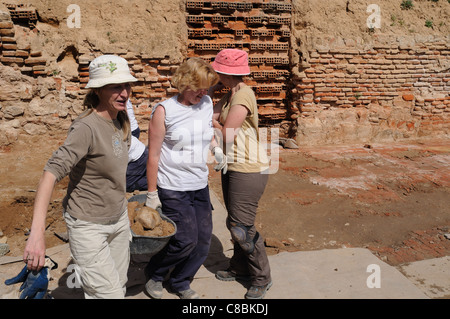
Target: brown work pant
x: 241, y: 192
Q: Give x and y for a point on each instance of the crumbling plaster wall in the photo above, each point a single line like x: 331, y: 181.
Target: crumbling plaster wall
x: 42, y: 91
x: 153, y: 27
x: 353, y: 84
x: 44, y: 68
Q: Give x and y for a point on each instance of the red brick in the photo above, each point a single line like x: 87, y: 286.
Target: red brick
x: 22, y: 53
x: 10, y: 46
x: 8, y: 39
x: 7, y: 32
x: 6, y: 25
x: 34, y: 61
x: 408, y: 97
x: 8, y: 53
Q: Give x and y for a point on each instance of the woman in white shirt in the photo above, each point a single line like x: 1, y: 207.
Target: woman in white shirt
x: 180, y: 133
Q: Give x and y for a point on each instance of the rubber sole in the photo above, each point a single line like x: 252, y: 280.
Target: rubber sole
x: 262, y: 295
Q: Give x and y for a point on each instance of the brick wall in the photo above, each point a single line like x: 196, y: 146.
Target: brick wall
x: 12, y: 53
x: 336, y: 95
x: 385, y: 77
x: 262, y: 29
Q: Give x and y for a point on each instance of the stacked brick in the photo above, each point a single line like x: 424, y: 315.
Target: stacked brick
x: 259, y: 27
x: 11, y: 53
x: 23, y: 14
x: 384, y: 75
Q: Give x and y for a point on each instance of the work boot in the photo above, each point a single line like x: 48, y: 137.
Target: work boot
x: 154, y: 289
x: 229, y: 275
x: 188, y: 294
x: 257, y: 292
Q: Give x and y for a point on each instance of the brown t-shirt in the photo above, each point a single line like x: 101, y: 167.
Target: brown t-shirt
x: 247, y: 154
x: 95, y: 156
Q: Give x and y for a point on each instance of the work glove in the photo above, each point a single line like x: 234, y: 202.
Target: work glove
x: 35, y: 283
x: 221, y: 160
x: 152, y: 200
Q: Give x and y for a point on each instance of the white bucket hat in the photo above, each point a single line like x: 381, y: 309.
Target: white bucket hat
x: 109, y: 69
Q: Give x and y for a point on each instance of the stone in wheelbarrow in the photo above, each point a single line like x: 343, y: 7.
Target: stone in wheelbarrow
x: 147, y: 217
x: 151, y: 229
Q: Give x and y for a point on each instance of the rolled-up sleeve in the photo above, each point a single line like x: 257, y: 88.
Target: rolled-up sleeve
x: 247, y: 100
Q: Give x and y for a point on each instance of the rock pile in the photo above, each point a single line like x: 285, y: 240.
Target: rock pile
x: 146, y: 221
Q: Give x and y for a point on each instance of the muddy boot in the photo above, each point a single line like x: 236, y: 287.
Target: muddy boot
x: 188, y: 294
x: 229, y: 275
x: 154, y: 289
x: 257, y: 292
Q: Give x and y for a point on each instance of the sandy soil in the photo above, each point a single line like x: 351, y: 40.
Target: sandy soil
x: 392, y: 199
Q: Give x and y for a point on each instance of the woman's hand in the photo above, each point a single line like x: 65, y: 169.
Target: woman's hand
x: 34, y: 253
x: 216, y: 124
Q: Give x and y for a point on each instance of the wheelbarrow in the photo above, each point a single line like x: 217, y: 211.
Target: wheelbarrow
x: 149, y: 244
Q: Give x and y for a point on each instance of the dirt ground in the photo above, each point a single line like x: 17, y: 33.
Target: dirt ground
x: 390, y: 198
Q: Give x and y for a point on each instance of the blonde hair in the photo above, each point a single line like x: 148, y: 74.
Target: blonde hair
x: 91, y: 102
x: 194, y: 74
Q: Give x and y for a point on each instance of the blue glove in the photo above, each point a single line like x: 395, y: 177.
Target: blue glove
x: 34, y: 285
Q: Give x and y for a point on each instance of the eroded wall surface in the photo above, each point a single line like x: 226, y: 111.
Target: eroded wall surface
x: 324, y: 71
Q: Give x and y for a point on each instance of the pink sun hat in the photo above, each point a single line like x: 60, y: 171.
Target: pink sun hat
x: 231, y: 62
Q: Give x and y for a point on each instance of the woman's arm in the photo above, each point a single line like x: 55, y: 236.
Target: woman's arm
x: 156, y: 133
x: 34, y: 253
x: 236, y: 116
x: 218, y: 106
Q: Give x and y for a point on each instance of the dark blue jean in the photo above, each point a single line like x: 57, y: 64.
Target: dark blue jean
x: 188, y: 248
x: 137, y: 173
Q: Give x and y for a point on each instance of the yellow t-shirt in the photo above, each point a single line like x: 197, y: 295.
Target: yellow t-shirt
x: 247, y: 155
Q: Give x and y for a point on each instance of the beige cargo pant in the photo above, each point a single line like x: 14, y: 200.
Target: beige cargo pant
x: 101, y: 253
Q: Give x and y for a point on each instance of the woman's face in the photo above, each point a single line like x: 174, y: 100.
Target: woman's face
x: 225, y: 79
x: 115, y: 96
x: 191, y: 97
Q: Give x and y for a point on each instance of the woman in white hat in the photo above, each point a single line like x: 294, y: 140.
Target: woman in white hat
x: 95, y: 156
x: 236, y: 118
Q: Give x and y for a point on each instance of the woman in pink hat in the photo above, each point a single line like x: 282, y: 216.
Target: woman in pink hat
x: 95, y: 157
x: 243, y: 183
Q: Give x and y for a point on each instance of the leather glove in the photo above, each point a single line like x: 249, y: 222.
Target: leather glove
x: 35, y: 283
x: 152, y: 200
x: 221, y: 160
